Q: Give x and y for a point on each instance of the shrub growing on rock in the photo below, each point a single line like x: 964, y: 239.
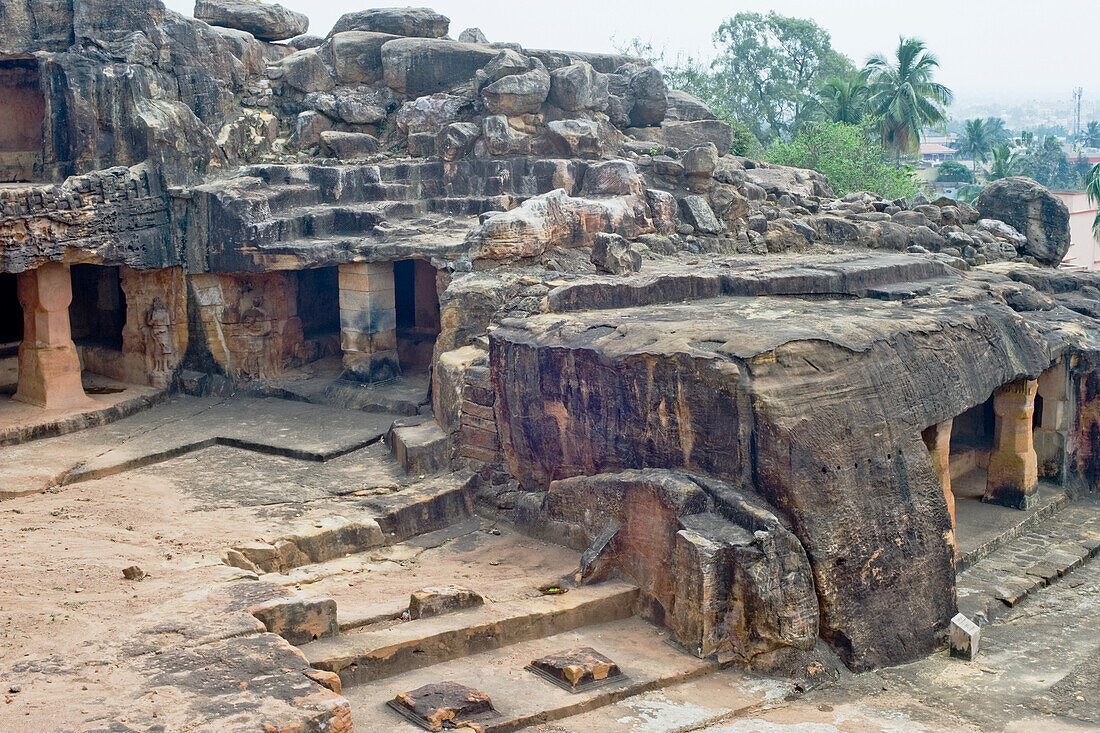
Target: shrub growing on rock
x: 848, y: 155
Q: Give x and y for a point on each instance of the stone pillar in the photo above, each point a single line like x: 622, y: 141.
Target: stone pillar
x: 368, y: 322
x: 1052, y: 424
x: 1013, y: 466
x: 938, y: 440
x: 49, y: 368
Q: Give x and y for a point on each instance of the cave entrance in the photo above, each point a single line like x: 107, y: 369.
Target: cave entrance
x: 22, y: 113
x: 11, y: 332
x: 416, y: 308
x: 97, y: 316
x: 972, y: 436
x: 319, y: 312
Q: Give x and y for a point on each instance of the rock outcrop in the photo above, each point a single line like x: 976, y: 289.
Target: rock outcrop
x: 1034, y: 212
x: 265, y: 21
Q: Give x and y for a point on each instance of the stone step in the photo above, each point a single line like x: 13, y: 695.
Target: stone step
x: 420, y: 448
x: 523, y: 699
x: 372, y: 655
x: 426, y: 506
x: 1029, y: 562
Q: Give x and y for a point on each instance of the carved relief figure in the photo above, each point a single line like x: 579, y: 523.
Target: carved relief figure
x: 258, y: 335
x: 159, y: 324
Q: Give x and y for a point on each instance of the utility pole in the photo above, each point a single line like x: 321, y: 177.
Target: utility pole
x: 1077, y: 114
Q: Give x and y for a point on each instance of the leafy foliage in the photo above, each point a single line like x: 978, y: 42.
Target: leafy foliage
x: 765, y: 73
x: 952, y: 170
x: 904, y: 96
x: 745, y: 143
x: 850, y: 156
x: 1047, y: 163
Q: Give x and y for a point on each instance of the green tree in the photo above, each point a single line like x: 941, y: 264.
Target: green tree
x: 975, y: 141
x: 1092, y: 188
x: 954, y: 171
x: 905, y: 97
x: 1092, y: 134
x: 767, y: 68
x: 1005, y: 163
x: 1047, y: 163
x: 850, y: 156
x: 844, y: 98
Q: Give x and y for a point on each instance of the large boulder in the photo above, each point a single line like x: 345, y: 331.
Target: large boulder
x: 304, y: 71
x: 356, y: 56
x: 687, y: 135
x: 518, y: 94
x: 268, y: 22
x: 1034, y: 212
x: 416, y: 66
x: 684, y: 107
x: 349, y: 145
x: 356, y: 106
x: 575, y: 138
x: 650, y: 97
x: 414, y: 22
x: 578, y: 87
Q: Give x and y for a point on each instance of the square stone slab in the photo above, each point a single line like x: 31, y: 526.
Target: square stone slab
x: 444, y: 704
x: 577, y: 670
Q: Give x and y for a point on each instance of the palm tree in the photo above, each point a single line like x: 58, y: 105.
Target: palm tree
x: 1092, y: 135
x: 1005, y: 163
x: 844, y: 99
x: 1092, y: 188
x: 995, y: 128
x: 975, y: 141
x: 904, y: 95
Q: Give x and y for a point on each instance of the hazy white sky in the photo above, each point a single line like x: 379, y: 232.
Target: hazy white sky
x: 1007, y: 48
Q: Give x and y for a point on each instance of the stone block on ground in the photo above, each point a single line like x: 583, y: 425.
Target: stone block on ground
x: 964, y: 637
x: 428, y: 602
x: 421, y: 449
x: 576, y: 669
x: 444, y: 705
x: 298, y: 620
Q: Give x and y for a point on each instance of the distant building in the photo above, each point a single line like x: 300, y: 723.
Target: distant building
x: 936, y: 152
x: 1084, y: 249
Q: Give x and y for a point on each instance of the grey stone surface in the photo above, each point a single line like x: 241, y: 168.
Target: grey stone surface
x: 418, y: 22
x: 266, y: 21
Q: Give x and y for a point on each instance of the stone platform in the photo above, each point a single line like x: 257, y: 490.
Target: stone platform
x: 186, y: 424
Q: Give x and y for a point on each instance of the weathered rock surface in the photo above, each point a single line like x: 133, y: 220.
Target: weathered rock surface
x: 614, y: 255
x: 1034, y: 212
x: 356, y: 56
x: 517, y: 94
x: 266, y: 21
x: 578, y: 87
x: 417, y: 22
x: 677, y: 372
x: 417, y: 66
x: 720, y: 568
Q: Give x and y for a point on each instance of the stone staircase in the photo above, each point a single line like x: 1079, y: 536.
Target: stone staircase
x: 380, y: 652
x: 305, y: 211
x: 1029, y: 561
